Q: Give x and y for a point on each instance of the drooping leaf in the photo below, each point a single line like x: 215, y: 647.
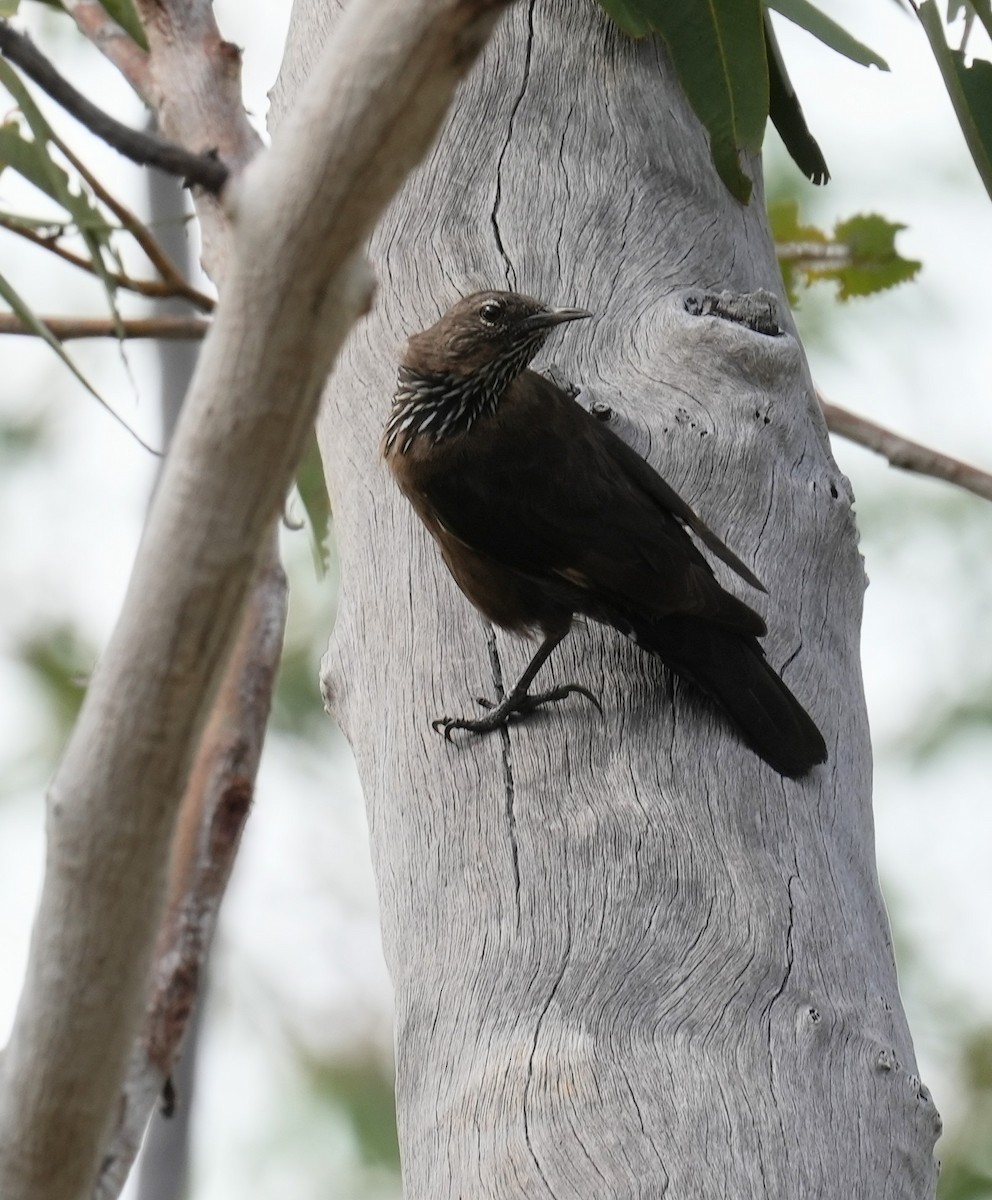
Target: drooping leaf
x: 628, y: 16
x: 313, y: 492
x: 34, y: 160
x: 123, y: 12
x: 810, y: 18
x: 718, y: 51
x: 969, y: 89
x: 787, y: 114
x: 33, y: 323
x: 983, y: 10
x: 860, y: 255
x: 46, y: 173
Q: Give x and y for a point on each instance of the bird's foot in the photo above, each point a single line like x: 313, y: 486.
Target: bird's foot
x: 515, y: 704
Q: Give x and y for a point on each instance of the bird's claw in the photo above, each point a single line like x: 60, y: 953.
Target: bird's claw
x: 517, y: 704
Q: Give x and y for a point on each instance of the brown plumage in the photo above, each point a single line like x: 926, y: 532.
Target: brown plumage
x: 541, y: 512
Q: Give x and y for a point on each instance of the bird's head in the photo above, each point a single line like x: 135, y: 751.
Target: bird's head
x: 460, y: 368
x: 488, y: 333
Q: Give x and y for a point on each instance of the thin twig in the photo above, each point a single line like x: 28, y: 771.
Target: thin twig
x: 153, y: 288
x: 136, y: 227
x: 903, y: 453
x: 169, y: 329
x: 146, y: 149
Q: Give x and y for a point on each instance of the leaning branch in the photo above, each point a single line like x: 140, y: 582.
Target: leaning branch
x: 295, y: 281
x: 145, y: 149
x: 213, y: 814
x: 903, y: 453
x: 96, y: 24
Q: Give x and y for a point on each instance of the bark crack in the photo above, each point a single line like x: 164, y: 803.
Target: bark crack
x: 533, y: 1050
x: 793, y: 879
x: 621, y: 255
x: 511, y: 275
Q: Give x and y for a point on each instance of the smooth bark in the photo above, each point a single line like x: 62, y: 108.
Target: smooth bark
x: 628, y: 958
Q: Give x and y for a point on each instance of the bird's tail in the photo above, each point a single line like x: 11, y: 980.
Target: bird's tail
x: 731, y: 669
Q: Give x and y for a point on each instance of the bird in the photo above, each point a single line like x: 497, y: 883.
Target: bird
x: 542, y: 514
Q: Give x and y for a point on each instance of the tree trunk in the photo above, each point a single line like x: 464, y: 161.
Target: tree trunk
x: 628, y: 957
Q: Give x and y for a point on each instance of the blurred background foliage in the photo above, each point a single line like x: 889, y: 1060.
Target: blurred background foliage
x: 294, y: 1095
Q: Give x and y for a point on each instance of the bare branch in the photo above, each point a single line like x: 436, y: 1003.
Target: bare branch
x: 170, y: 329
x: 294, y: 283
x: 162, y: 263
x: 174, y: 288
x: 904, y: 453
x: 213, y: 813
x: 118, y: 47
x: 146, y: 149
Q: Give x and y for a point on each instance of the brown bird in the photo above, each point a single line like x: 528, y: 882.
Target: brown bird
x: 541, y: 512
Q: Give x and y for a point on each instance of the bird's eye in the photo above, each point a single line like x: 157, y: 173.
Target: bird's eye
x: 491, y: 312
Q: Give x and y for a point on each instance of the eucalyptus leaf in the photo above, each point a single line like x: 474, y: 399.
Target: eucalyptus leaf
x: 718, y: 51
x: 983, y: 11
x: 969, y: 89
x: 313, y: 492
x: 810, y: 18
x: 46, y: 173
x: 124, y: 13
x: 34, y: 324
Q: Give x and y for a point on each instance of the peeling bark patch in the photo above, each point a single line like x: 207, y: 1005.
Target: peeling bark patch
x: 757, y: 311
x: 494, y: 218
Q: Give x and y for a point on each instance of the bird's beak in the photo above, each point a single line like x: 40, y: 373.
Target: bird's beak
x: 555, y: 316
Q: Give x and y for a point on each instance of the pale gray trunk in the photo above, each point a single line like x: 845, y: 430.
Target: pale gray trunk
x: 629, y: 959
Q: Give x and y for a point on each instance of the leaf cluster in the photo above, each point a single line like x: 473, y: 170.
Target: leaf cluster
x: 859, y: 255
x: 727, y: 61
x: 729, y: 65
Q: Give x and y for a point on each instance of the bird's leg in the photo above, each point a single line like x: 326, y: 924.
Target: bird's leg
x: 519, y: 701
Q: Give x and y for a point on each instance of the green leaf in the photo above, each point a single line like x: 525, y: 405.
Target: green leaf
x: 860, y: 255
x: 38, y: 327
x: 717, y: 48
x: 875, y: 264
x: 783, y: 216
x: 983, y: 10
x: 969, y: 89
x: 37, y: 163
x: 34, y: 161
x: 123, y: 12
x: 60, y: 662
x: 8, y: 8
x: 313, y: 492
x: 627, y: 17
x: 804, y: 14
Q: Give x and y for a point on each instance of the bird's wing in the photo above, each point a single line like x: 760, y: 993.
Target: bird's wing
x: 648, y: 479
x: 546, y: 496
